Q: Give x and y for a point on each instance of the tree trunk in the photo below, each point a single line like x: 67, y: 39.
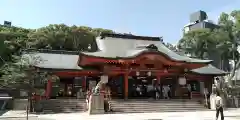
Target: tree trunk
x: 235, y: 67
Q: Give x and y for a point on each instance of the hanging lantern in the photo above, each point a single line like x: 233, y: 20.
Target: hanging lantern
x: 182, y: 81
x: 149, y: 73
x: 137, y: 73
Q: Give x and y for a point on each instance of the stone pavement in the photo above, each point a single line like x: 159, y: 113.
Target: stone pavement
x: 198, y: 115
x: 30, y: 118
x: 16, y: 113
x: 20, y: 115
x: 233, y: 114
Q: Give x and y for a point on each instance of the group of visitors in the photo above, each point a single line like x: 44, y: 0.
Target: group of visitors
x: 153, y: 91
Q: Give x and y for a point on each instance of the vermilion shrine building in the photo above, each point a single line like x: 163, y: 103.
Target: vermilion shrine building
x: 128, y: 61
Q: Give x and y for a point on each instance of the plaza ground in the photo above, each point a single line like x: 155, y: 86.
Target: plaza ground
x: 231, y: 114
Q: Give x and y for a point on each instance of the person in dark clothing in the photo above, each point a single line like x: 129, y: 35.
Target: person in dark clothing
x: 208, y: 101
x: 219, y: 107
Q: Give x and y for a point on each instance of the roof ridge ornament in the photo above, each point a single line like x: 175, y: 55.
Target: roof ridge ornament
x: 152, y: 47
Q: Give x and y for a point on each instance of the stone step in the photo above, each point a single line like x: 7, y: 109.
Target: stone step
x: 155, y: 102
x: 160, y: 107
x: 63, y: 105
x: 149, y: 104
x: 59, y: 110
x: 144, y: 111
x: 124, y: 106
x: 133, y: 106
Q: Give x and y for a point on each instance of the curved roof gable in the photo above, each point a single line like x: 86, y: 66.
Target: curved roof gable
x: 128, y: 47
x: 210, y: 70
x: 55, y: 61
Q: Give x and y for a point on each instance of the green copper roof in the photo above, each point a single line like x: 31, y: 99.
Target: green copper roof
x: 127, y: 48
x: 209, y: 69
x: 55, y: 61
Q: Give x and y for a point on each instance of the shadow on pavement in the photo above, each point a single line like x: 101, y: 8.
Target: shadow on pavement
x: 2, y: 112
x: 233, y: 116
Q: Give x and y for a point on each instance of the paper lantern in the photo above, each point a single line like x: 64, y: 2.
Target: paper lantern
x: 182, y: 81
x: 137, y: 73
x: 149, y: 73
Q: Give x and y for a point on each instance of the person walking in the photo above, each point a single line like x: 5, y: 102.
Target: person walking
x: 157, y: 92
x: 88, y: 95
x: 219, y: 106
x: 189, y: 91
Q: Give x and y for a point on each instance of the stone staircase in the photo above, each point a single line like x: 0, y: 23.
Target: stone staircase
x: 140, y: 106
x: 124, y: 106
x: 63, y: 105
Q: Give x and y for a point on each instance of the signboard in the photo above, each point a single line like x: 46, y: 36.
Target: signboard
x: 182, y: 81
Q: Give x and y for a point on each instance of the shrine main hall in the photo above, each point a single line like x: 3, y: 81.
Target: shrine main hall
x: 125, y: 61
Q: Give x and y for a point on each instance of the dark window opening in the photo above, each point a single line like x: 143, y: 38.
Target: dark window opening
x: 149, y: 65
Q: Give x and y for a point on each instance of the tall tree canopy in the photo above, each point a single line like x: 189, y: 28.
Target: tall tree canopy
x: 220, y: 43
x: 56, y: 37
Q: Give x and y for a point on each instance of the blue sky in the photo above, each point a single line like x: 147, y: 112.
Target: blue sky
x: 141, y: 17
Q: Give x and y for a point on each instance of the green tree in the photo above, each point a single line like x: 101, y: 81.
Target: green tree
x: 63, y: 37
x: 197, y: 42
x: 221, y: 42
x: 230, y: 23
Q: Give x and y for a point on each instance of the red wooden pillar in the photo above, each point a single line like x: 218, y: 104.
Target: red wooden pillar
x: 125, y: 85
x: 48, y: 89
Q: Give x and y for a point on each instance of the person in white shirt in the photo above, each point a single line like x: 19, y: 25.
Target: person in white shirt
x: 219, y: 106
x: 138, y: 89
x: 157, y: 92
x: 165, y: 91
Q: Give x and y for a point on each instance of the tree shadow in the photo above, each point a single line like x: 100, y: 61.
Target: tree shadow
x: 3, y: 112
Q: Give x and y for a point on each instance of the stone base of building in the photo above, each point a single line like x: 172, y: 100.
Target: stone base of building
x: 96, y: 104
